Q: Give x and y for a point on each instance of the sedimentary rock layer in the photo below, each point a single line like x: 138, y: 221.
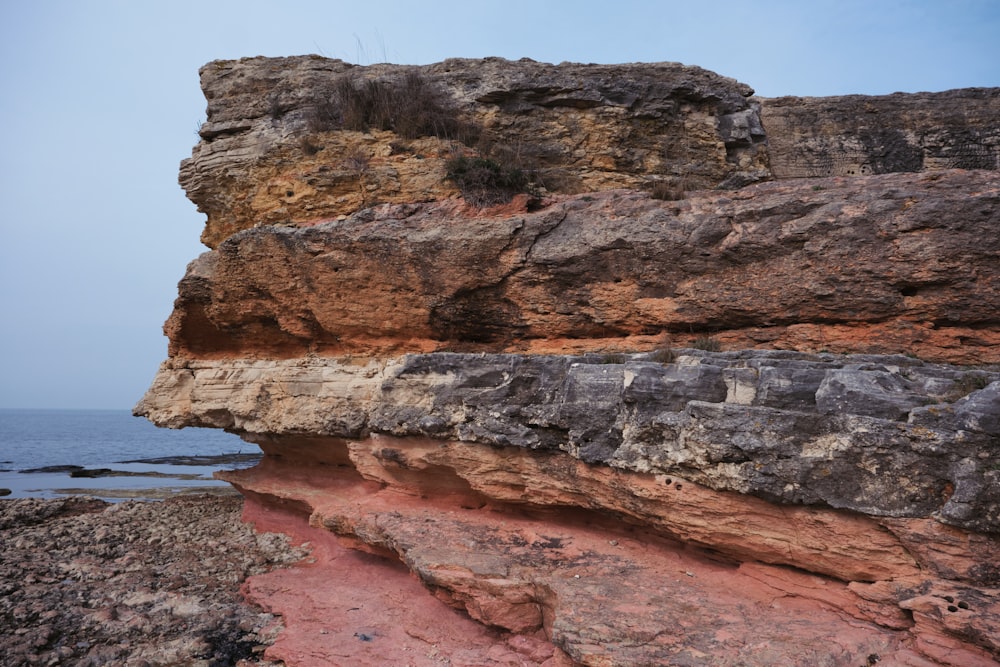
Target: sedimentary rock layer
x: 855, y: 135
x: 501, y: 394
x: 900, y: 263
x: 526, y: 490
x: 885, y: 436
x: 264, y: 159
x: 273, y: 150
x: 610, y: 593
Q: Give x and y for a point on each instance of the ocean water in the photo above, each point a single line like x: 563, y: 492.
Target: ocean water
x: 96, y: 439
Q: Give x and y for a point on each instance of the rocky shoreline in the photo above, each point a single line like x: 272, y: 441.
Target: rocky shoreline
x: 85, y: 582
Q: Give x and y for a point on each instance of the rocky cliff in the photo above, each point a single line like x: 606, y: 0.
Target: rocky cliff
x: 856, y: 135
x: 625, y: 364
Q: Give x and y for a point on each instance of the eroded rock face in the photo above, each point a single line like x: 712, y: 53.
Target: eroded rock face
x: 855, y: 135
x: 884, y: 436
x: 264, y: 158
x: 582, y: 127
x: 902, y: 263
x: 502, y: 480
x: 609, y: 592
x: 506, y: 402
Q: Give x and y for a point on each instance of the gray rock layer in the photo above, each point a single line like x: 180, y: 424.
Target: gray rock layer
x: 883, y: 435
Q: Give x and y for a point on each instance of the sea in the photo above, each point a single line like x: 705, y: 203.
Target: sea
x: 112, y: 455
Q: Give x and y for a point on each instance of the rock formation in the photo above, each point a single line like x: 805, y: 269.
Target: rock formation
x: 908, y: 263
x: 682, y: 389
x: 859, y: 134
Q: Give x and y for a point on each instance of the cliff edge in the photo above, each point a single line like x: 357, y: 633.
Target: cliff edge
x: 623, y: 363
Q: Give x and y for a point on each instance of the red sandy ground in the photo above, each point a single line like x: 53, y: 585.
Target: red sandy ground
x: 347, y: 607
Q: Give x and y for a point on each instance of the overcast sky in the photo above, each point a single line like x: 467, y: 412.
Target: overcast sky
x: 100, y: 102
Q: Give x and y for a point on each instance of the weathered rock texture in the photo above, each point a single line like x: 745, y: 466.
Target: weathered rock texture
x: 860, y: 134
x: 833, y: 466
x: 505, y: 401
x: 586, y: 127
x: 264, y: 159
x: 884, y: 436
x: 901, y: 263
x: 137, y: 583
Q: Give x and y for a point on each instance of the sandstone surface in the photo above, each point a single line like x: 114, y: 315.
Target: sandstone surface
x: 855, y: 135
x: 720, y: 387
x: 584, y: 127
x: 900, y: 263
x: 263, y: 158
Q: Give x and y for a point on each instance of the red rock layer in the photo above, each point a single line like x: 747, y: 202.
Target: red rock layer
x: 348, y: 607
x: 613, y: 569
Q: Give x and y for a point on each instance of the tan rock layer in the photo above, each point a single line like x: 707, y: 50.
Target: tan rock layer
x: 885, y: 436
x: 902, y: 263
x: 576, y: 127
x: 855, y: 135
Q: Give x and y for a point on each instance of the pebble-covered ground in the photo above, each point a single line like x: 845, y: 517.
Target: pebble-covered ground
x: 84, y: 582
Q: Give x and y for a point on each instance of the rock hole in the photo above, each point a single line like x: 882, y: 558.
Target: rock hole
x: 678, y: 487
x: 952, y: 608
x: 963, y: 605
x: 948, y: 598
x: 289, y: 193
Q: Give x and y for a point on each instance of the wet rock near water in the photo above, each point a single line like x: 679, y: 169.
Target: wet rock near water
x: 195, y: 460
x: 202, y: 460
x: 83, y: 582
x: 56, y: 469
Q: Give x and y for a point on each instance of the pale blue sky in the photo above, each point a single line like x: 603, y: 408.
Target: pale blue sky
x: 101, y: 102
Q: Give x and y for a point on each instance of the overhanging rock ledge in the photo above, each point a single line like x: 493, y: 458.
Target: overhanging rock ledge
x: 720, y: 387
